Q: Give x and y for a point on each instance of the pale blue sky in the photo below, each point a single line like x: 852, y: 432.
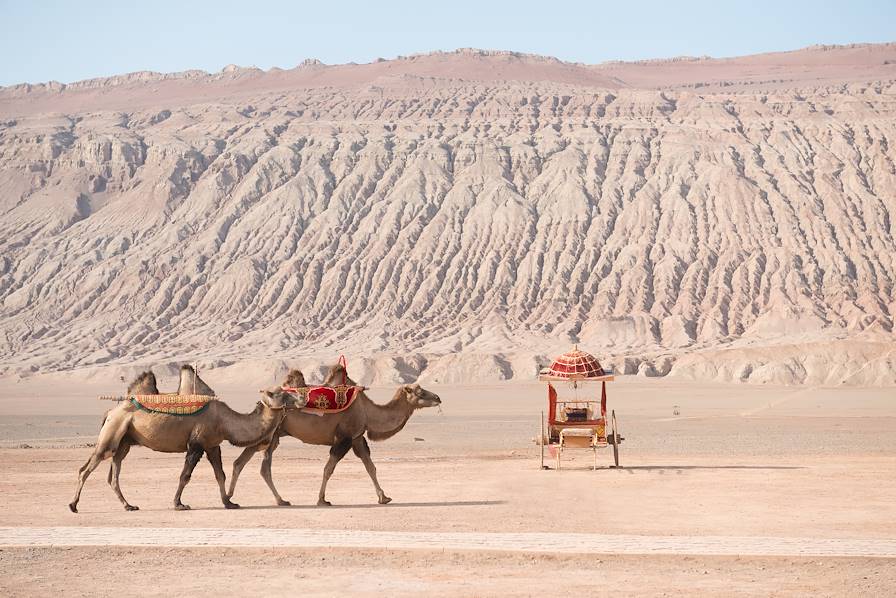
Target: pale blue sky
x: 69, y: 41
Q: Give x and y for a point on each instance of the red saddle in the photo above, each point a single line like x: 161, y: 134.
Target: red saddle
x: 326, y: 399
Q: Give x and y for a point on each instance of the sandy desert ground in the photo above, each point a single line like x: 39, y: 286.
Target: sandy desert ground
x: 784, y: 469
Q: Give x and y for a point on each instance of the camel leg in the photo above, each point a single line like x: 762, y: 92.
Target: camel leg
x: 238, y: 466
x: 214, y: 457
x: 92, y: 463
x: 337, y: 452
x: 362, y: 450
x: 115, y: 470
x: 194, y: 454
x: 266, y: 471
x: 106, y: 446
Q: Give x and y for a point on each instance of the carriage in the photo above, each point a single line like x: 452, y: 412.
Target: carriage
x: 577, y: 419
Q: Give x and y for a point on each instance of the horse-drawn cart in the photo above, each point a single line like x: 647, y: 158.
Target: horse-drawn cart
x: 578, y: 419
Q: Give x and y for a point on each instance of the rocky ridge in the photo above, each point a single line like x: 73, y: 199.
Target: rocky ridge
x: 453, y: 227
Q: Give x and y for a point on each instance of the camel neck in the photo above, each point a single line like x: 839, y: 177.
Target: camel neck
x: 247, y: 429
x: 385, y: 421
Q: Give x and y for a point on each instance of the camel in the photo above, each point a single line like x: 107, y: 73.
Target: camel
x: 127, y: 425
x: 340, y: 431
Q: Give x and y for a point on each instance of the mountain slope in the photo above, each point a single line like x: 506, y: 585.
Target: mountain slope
x: 459, y: 229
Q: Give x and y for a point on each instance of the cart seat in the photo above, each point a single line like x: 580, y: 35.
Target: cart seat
x: 576, y: 438
x: 577, y: 414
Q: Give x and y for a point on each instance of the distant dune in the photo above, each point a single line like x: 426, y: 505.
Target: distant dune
x: 459, y: 216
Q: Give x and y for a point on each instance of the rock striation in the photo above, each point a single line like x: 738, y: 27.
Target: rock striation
x: 462, y: 227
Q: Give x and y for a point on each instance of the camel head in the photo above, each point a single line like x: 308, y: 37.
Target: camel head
x: 279, y: 399
x: 419, y: 397
x: 295, y: 379
x: 144, y: 384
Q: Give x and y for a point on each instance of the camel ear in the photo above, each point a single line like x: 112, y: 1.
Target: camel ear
x: 269, y: 394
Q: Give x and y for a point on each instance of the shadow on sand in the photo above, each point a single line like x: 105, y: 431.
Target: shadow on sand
x: 674, y: 467
x: 677, y: 468
x: 392, y: 505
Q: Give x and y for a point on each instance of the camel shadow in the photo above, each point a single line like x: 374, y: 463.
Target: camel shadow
x: 455, y: 503
x: 372, y: 505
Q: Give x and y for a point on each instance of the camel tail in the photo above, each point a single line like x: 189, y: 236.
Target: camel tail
x: 105, y: 417
x: 103, y: 423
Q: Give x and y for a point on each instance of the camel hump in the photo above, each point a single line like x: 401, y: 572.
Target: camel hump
x: 295, y: 379
x: 145, y: 383
x: 338, y: 375
x: 192, y: 384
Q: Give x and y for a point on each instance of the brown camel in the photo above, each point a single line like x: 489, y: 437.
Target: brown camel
x: 340, y: 431
x: 127, y: 425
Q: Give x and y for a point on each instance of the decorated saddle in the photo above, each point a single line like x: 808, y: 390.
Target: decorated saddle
x: 326, y: 399
x: 172, y: 404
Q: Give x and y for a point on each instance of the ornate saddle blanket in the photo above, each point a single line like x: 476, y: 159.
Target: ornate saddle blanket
x: 172, y: 404
x: 326, y: 399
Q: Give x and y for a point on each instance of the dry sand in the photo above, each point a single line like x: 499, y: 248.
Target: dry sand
x: 773, y: 464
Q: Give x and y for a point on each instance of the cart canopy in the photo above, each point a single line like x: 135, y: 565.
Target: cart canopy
x: 575, y: 365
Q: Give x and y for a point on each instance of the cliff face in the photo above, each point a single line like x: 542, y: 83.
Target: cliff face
x: 458, y: 229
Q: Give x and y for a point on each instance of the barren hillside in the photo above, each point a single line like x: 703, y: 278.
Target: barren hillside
x: 459, y: 216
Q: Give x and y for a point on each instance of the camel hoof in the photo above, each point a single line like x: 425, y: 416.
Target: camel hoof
x: 181, y: 507
x: 73, y: 507
x: 284, y: 503
x: 324, y: 503
x: 385, y: 500
x: 131, y: 508
x: 231, y: 505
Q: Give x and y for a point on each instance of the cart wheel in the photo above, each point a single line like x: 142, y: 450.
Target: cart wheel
x: 615, y: 438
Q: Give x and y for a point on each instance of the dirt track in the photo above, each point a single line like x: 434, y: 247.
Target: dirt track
x: 731, y: 497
